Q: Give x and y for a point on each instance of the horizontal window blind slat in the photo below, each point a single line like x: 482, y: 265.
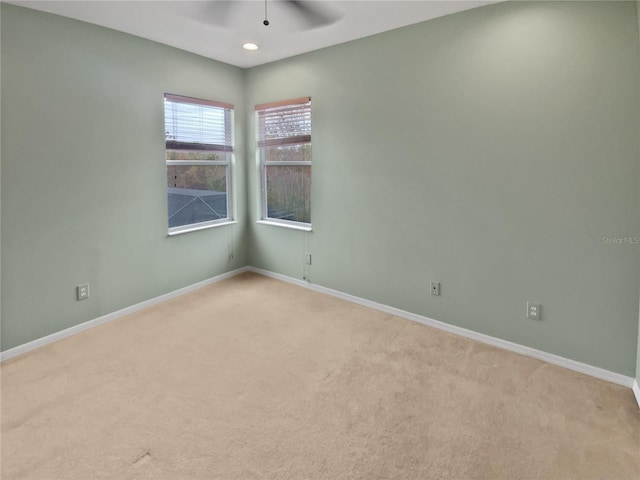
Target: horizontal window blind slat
x: 186, y: 163
x: 173, y: 145
x: 284, y: 111
x: 197, y: 101
x: 295, y: 101
x: 274, y: 142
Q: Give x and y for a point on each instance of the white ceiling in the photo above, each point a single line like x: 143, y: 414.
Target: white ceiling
x: 198, y: 26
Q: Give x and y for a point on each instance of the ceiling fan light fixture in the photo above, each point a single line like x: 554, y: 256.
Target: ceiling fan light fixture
x: 250, y: 46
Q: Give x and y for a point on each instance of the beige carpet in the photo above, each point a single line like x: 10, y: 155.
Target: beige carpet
x: 253, y: 378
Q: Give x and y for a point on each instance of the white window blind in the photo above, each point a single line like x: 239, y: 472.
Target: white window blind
x: 194, y: 124
x: 284, y: 123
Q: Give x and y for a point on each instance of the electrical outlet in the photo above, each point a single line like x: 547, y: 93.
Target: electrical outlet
x: 435, y: 288
x: 82, y: 291
x: 307, y: 258
x: 533, y: 311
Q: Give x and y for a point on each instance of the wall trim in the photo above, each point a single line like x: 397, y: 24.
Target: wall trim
x: 81, y: 327
x: 587, y: 369
x: 636, y: 391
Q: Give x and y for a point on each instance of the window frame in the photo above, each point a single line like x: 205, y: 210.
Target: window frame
x: 264, y: 207
x: 227, y: 150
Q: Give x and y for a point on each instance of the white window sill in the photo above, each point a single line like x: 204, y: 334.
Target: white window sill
x: 195, y: 228
x: 302, y: 228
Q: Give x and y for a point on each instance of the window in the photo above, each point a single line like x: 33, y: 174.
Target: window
x: 284, y: 142
x: 199, y: 146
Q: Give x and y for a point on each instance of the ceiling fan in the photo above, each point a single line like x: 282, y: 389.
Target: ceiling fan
x: 310, y: 13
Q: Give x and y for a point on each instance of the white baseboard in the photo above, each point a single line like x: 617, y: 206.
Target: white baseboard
x: 54, y: 337
x: 496, y: 342
x: 636, y: 391
x: 463, y: 332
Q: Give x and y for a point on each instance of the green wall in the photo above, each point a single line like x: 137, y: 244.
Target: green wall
x: 638, y: 349
x: 490, y: 150
x: 83, y: 172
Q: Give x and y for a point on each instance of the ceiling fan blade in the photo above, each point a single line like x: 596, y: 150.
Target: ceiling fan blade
x: 313, y: 14
x: 214, y: 12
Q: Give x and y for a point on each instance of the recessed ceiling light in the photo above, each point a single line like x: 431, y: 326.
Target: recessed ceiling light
x: 250, y: 46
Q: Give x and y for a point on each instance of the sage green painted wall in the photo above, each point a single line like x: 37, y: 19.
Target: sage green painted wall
x: 638, y: 349
x: 0, y: 181
x: 83, y: 173
x: 490, y: 150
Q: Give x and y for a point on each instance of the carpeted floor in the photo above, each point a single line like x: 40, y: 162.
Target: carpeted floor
x: 252, y: 378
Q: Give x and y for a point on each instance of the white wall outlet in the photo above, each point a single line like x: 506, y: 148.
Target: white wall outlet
x: 82, y: 291
x: 533, y: 311
x: 307, y: 258
x: 435, y: 288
